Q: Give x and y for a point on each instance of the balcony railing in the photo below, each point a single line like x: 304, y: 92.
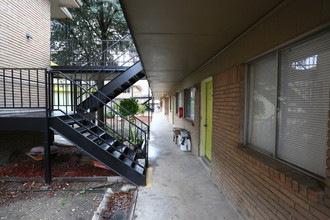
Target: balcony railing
x: 23, y: 88
x: 82, y: 52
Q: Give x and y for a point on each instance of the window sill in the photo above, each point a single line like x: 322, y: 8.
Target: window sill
x: 284, y: 175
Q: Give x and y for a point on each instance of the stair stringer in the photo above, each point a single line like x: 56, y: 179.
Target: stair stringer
x: 114, y: 87
x: 93, y: 150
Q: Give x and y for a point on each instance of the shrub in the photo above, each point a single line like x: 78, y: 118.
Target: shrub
x: 142, y: 109
x: 131, y: 105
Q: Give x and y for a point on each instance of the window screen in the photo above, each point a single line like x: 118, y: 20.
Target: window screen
x: 304, y: 104
x: 262, y: 104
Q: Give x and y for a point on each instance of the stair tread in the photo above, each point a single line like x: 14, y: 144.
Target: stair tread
x: 120, y: 148
x: 116, y: 154
x: 70, y: 120
x: 96, y: 135
x: 139, y: 169
x: 111, y: 141
x: 85, y: 128
x: 105, y: 146
x: 130, y: 158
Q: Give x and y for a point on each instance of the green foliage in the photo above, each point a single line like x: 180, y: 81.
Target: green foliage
x: 131, y: 105
x: 94, y: 20
x: 110, y: 114
x: 142, y: 109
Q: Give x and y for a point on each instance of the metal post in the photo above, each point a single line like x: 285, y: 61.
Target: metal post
x: 48, y: 135
x: 75, y: 91
x: 47, y: 138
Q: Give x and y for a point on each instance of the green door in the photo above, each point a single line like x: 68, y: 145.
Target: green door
x: 208, y: 136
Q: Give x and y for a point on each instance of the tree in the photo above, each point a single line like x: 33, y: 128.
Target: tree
x: 93, y: 28
x: 131, y: 105
x: 130, y: 108
x: 80, y: 39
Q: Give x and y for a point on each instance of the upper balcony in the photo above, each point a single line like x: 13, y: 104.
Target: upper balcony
x: 90, y: 57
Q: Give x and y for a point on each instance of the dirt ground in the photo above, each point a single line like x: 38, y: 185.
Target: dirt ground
x: 65, y: 201
x: 68, y: 163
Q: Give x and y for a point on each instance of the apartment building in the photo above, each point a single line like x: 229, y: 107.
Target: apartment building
x: 250, y: 81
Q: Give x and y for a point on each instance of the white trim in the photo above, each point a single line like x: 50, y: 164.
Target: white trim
x: 69, y: 3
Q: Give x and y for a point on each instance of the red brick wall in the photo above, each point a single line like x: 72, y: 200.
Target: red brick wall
x: 258, y: 186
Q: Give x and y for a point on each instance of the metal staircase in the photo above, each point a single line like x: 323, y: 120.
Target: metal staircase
x: 100, y: 145
x: 113, y: 88
x: 120, y: 143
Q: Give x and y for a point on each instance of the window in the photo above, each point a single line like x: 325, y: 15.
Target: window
x: 178, y: 102
x: 189, y: 103
x: 171, y: 99
x: 289, y: 104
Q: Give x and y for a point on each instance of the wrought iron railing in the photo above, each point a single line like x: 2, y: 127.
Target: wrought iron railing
x: 119, y: 56
x: 23, y: 88
x: 142, y: 154
x: 116, y: 58
x: 82, y: 52
x: 54, y: 90
x: 71, y: 90
x: 129, y: 129
x: 29, y: 88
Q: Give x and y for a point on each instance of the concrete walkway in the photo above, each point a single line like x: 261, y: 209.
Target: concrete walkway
x: 181, y: 188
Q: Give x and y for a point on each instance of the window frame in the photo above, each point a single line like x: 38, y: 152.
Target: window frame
x: 247, y: 99
x: 188, y: 114
x: 178, y: 100
x: 247, y: 104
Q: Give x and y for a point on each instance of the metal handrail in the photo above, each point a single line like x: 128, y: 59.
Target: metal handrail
x: 22, y: 88
x: 111, y: 109
x: 90, y: 86
x: 95, y: 87
x: 96, y: 58
x: 87, y: 91
x: 100, y: 137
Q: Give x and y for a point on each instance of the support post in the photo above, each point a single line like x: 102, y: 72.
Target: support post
x: 47, y: 139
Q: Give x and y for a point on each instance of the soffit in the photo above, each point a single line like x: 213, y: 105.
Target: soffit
x: 174, y: 38
x: 58, y: 8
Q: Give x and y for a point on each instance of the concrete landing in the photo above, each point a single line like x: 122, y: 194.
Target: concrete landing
x: 180, y: 187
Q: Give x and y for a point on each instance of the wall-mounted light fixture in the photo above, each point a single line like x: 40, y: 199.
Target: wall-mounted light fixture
x: 28, y: 36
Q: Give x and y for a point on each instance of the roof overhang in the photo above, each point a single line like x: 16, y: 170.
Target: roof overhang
x: 69, y: 3
x: 174, y: 38
x: 58, y: 8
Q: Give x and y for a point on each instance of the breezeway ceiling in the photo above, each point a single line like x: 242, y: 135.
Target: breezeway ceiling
x: 174, y: 38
